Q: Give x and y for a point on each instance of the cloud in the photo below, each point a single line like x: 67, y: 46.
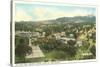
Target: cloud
x: 37, y: 13
x: 44, y: 13
x: 79, y: 12
x: 21, y: 15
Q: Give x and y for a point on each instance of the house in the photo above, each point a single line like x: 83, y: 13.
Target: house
x: 27, y: 34
x: 62, y: 34
x: 65, y: 39
x: 43, y: 34
x: 79, y: 43
x: 57, y: 36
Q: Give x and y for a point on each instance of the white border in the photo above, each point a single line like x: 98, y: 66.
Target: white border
x: 13, y: 33
x: 54, y: 4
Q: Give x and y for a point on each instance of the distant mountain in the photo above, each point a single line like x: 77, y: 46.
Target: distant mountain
x: 32, y: 25
x: 76, y: 19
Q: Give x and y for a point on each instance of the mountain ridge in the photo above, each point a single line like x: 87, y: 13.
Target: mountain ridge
x: 76, y: 19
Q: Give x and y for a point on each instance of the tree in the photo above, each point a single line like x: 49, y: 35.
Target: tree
x: 22, y: 50
x: 93, y: 50
x: 71, y: 49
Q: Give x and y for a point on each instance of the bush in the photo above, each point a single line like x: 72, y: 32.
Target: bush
x: 93, y: 50
x: 56, y: 55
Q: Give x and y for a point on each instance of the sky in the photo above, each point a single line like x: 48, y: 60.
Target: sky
x: 38, y: 12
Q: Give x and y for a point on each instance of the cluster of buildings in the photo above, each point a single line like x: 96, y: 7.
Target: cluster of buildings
x: 81, y: 34
x: 61, y: 36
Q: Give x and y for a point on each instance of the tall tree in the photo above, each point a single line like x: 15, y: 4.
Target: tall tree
x: 22, y: 50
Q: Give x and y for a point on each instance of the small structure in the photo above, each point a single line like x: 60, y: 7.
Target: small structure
x: 79, y: 43
x: 65, y: 39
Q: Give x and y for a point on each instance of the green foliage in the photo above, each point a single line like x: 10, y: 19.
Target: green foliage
x: 93, y: 50
x: 71, y: 49
x: 21, y: 40
x: 24, y: 26
x: 48, y: 46
x: 56, y: 55
x: 22, y: 48
x: 52, y: 44
x: 53, y: 48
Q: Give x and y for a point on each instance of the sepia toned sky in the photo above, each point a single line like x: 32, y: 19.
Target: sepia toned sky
x: 37, y: 12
